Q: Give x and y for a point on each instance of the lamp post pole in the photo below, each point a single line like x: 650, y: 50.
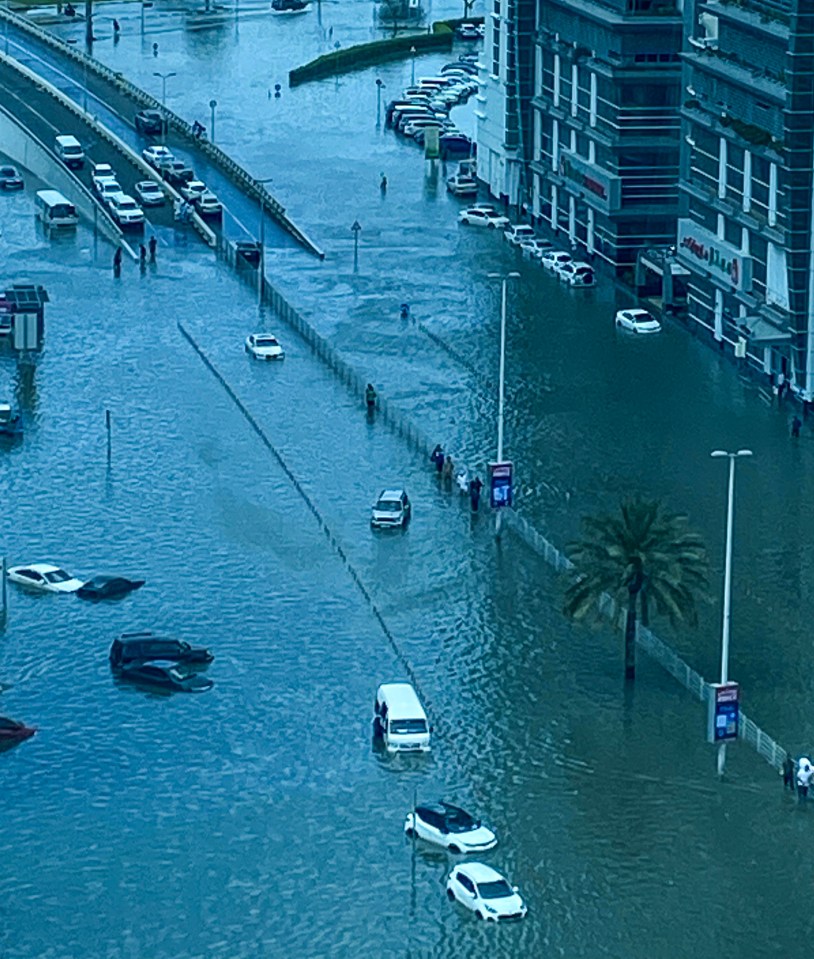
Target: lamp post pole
x: 379, y: 85
x: 730, y: 515
x: 212, y: 105
x: 356, y: 228
x: 412, y: 72
x: 262, y: 273
x: 504, y: 296
x: 164, y: 77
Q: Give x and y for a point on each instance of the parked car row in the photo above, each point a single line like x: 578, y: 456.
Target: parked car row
x: 427, y: 103
x: 123, y: 208
x: 47, y: 578
x: 182, y: 177
x: 400, y: 724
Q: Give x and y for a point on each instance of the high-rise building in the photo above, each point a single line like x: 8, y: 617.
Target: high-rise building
x: 745, y: 230
x: 606, y: 124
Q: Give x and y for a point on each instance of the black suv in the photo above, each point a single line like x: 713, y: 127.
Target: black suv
x: 149, y: 121
x: 133, y: 648
x: 177, y: 173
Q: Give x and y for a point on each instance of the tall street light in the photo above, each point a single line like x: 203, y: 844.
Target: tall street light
x: 164, y: 78
x: 379, y: 85
x: 412, y: 73
x: 356, y: 228
x: 262, y: 275
x: 504, y: 294
x: 212, y: 105
x: 730, y: 510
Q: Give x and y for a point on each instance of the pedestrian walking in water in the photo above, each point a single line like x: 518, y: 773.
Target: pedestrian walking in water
x: 796, y: 423
x: 788, y: 770
x: 434, y: 457
x: 116, y: 26
x: 383, y: 184
x: 475, y: 486
x: 153, y: 244
x: 155, y: 49
x: 117, y: 262
x: 447, y: 472
x: 142, y: 256
x: 370, y: 398
x: 804, y: 774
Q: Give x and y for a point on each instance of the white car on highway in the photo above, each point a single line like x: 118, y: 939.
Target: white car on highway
x: 638, y: 321
x: 192, y: 190
x: 44, y: 576
x: 125, y: 211
x: 484, y: 891
x: 264, y: 346
x: 208, y: 204
x: 109, y: 190
x: 449, y: 826
x: 483, y: 216
x: 158, y: 156
x: 150, y: 193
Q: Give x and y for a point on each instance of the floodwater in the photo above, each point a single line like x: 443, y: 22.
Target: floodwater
x: 256, y: 819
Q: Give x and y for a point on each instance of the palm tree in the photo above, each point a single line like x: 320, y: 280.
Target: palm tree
x: 643, y: 558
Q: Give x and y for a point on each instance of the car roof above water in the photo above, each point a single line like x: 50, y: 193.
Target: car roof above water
x: 402, y: 701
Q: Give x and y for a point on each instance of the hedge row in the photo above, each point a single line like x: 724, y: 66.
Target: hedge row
x: 365, y: 55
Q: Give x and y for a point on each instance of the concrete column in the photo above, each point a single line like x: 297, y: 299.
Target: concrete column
x: 772, y: 194
x: 557, y: 69
x: 722, y: 169
x: 555, y: 145
x: 720, y: 228
x: 574, y: 88
x: 719, y: 315
x: 554, y: 202
x: 593, y: 100
x: 590, y: 236
x: 591, y: 151
x: 572, y: 219
x: 745, y: 241
x: 747, y: 181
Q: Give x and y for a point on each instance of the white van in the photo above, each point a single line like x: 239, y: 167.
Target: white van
x: 70, y: 151
x: 400, y: 719
x: 54, y: 210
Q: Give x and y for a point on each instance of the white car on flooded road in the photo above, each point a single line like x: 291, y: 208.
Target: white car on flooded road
x: 637, y: 321
x: 484, y: 891
x: 555, y: 260
x: 44, y: 576
x: 264, y: 346
x: 449, y: 826
x: 483, y: 216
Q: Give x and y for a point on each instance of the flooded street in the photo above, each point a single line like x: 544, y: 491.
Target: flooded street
x: 256, y: 819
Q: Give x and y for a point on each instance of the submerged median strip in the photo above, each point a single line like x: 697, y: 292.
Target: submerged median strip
x: 365, y: 55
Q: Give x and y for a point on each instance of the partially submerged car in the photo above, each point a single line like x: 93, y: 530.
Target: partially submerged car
x: 392, y: 508
x: 13, y: 732
x: 166, y: 676
x: 264, y: 346
x: 10, y: 179
x: 637, y: 321
x: 108, y: 587
x: 44, y: 576
x: 449, y: 826
x: 140, y: 647
x: 483, y: 890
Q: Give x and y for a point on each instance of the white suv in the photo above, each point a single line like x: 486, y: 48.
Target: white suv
x: 125, y: 211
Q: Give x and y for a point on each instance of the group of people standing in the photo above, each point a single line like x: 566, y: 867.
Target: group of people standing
x: 797, y: 775
x: 446, y: 470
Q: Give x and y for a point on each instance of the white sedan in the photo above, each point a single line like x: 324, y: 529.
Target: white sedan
x: 638, y: 321
x: 555, y: 260
x: 158, y: 155
x: 192, y: 190
x: 264, y: 346
x: 44, y: 576
x: 534, y: 249
x: 448, y: 826
x: 484, y: 891
x: 483, y: 216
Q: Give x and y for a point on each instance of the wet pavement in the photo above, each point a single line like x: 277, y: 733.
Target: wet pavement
x: 259, y: 810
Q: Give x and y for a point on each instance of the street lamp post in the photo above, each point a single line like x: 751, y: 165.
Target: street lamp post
x: 212, y: 105
x: 504, y: 294
x: 355, y: 229
x: 164, y: 77
x: 262, y: 273
x: 730, y: 511
x: 379, y: 85
x: 412, y: 72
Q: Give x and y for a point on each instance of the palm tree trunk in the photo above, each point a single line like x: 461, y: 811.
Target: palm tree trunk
x: 645, y: 609
x: 630, y: 636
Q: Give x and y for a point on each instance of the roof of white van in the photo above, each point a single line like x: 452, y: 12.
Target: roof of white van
x: 402, y: 701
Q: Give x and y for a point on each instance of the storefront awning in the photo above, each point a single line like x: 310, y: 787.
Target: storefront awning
x: 759, y: 330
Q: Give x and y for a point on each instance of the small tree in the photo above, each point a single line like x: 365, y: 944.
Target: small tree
x: 645, y: 558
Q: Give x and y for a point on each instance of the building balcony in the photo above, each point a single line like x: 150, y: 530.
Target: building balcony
x: 721, y: 67
x: 661, y: 15
x: 774, y: 23
x: 747, y: 136
x: 733, y: 211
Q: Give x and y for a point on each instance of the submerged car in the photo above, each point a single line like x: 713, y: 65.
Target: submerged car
x: 108, y: 587
x: 392, y: 508
x: 518, y: 233
x: 11, y: 731
x: 10, y: 179
x: 150, y: 193
x: 577, y: 274
x: 555, y: 260
x: 637, y: 321
x: 169, y: 676
x: 44, y: 576
x: 484, y: 891
x: 449, y: 826
x: 130, y: 648
x: 264, y: 346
